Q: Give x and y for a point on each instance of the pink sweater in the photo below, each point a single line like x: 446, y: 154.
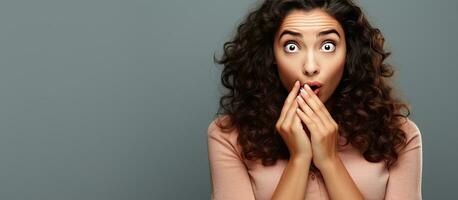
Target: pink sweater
x: 237, y: 179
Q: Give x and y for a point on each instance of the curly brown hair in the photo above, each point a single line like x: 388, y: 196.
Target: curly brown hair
x: 362, y: 105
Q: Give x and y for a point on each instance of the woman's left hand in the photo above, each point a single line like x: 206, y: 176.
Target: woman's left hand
x: 323, y: 129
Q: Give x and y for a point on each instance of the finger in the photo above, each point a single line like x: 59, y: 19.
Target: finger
x: 296, y: 121
x: 315, y: 104
x: 313, y: 122
x: 303, y: 117
x: 288, y: 101
x: 290, y: 114
x: 305, y: 120
x: 319, y: 108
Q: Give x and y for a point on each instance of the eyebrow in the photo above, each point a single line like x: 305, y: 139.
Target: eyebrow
x: 325, y: 32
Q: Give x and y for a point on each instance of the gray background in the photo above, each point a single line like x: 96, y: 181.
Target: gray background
x: 112, y: 99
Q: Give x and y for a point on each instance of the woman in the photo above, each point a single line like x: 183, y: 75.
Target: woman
x: 309, y: 113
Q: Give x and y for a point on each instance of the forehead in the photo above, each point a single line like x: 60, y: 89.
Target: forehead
x: 309, y: 21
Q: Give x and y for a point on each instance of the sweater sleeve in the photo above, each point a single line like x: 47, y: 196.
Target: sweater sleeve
x: 229, y: 175
x: 406, y: 174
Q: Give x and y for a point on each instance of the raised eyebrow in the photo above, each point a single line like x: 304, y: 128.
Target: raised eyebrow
x: 289, y: 32
x: 296, y: 34
x: 326, y: 32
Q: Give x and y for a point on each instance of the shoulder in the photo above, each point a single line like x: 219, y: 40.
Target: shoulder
x: 215, y: 128
x: 222, y: 138
x: 410, y: 127
x: 413, y: 134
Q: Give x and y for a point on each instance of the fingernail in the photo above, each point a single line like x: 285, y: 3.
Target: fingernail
x: 299, y: 98
x: 303, y: 91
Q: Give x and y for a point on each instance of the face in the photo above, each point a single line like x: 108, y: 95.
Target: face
x: 310, y: 46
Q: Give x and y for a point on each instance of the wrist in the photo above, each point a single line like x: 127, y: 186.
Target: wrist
x: 301, y: 159
x: 330, y: 164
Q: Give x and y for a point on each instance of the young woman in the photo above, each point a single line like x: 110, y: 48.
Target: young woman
x: 310, y: 113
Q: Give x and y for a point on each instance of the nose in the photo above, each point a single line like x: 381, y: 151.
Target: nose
x: 311, y: 67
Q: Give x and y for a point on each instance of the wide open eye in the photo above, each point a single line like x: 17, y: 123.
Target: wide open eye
x: 291, y: 48
x: 328, y: 47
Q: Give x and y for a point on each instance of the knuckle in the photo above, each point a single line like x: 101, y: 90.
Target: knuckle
x: 320, y: 104
x: 306, y: 121
x: 322, y: 139
x: 291, y: 129
x: 321, y: 108
x: 334, y: 126
x: 278, y: 127
x: 332, y: 129
x: 282, y: 128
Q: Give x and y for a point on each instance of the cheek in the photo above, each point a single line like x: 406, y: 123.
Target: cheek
x: 334, y: 74
x: 335, y: 65
x: 288, y: 71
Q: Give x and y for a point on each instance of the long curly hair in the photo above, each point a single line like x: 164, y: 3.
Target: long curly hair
x: 363, y: 104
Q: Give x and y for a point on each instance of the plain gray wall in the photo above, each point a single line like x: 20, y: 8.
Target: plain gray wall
x: 112, y: 99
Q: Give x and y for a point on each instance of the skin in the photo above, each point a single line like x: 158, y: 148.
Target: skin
x: 311, y: 58
x: 294, y: 178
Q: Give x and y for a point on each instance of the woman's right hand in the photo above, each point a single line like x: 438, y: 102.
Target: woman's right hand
x: 291, y: 130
